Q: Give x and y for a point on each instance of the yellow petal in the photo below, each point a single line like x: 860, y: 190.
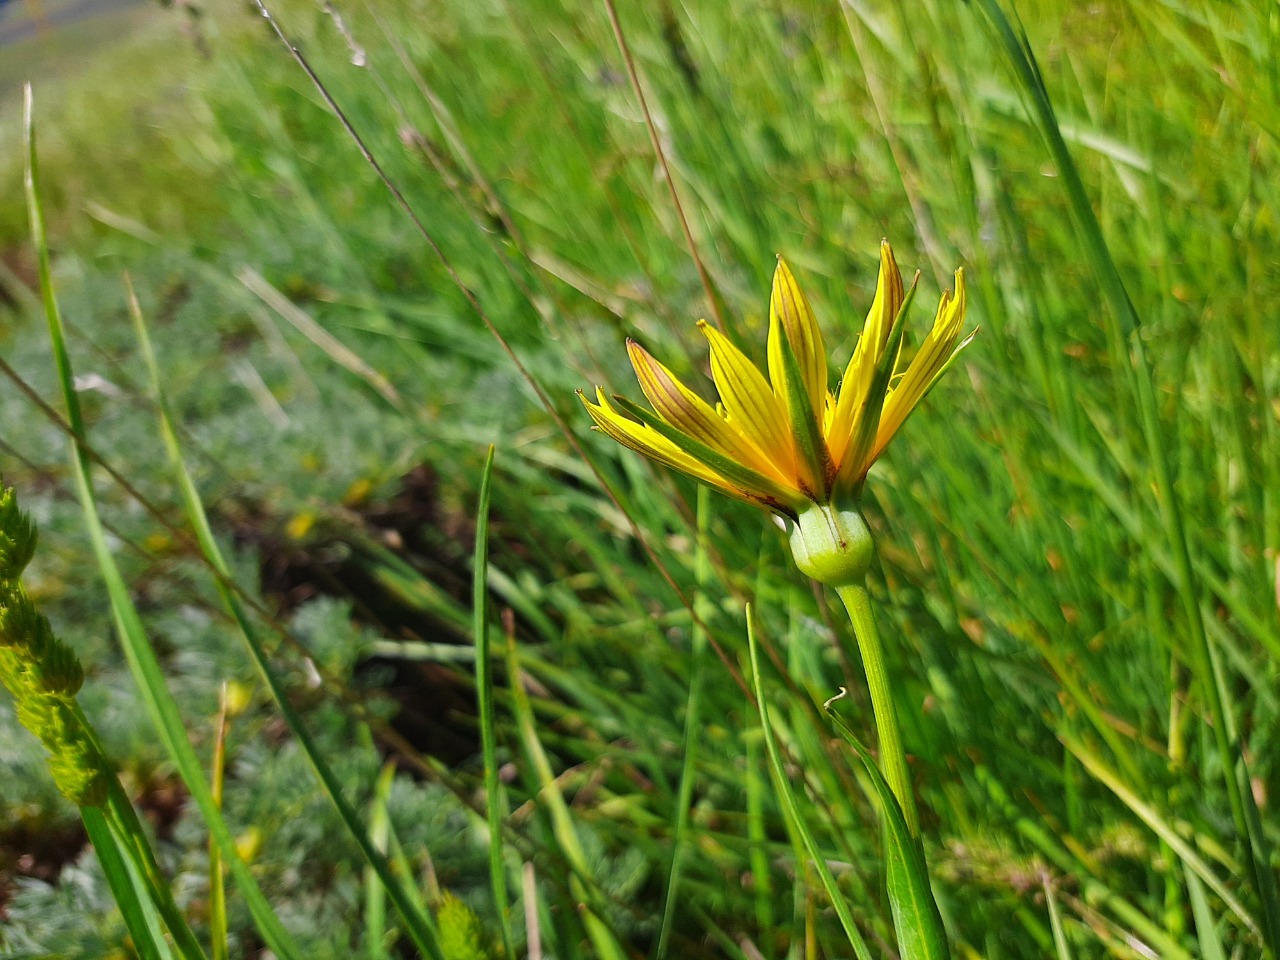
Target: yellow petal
x: 648, y: 442
x: 867, y: 354
x: 690, y: 414
x: 790, y: 316
x: 644, y: 440
x: 750, y: 403
x: 926, y: 366
x: 798, y: 371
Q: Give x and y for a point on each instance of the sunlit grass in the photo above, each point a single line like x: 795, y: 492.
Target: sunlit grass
x: 1038, y: 619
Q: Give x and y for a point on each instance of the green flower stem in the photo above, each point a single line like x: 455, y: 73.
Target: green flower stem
x: 893, y: 759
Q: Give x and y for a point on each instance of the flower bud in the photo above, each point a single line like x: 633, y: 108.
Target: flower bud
x: 832, y: 545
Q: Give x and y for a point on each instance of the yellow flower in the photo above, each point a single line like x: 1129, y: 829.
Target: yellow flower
x: 787, y: 442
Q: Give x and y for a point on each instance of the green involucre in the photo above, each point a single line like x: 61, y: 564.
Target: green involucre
x: 832, y: 545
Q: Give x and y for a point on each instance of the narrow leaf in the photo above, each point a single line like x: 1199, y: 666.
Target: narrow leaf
x: 792, y: 808
x: 1210, y: 940
x: 419, y: 926
x: 484, y: 695
x: 111, y: 857
x: 141, y: 656
x: 1060, y: 945
x: 915, y: 913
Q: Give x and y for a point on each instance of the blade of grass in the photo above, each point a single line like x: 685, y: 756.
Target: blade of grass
x: 147, y: 938
x: 791, y: 807
x: 143, y: 663
x: 493, y: 795
x: 602, y: 938
x: 1207, y: 935
x: 692, y: 729
x: 217, y: 870
x: 419, y: 926
x: 762, y: 879
x: 375, y: 894
x: 532, y: 925
x: 1128, y: 342
x: 135, y: 846
x: 1055, y: 921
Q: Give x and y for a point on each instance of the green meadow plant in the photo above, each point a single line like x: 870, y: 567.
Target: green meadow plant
x: 414, y: 228
x: 792, y: 446
x: 43, y: 675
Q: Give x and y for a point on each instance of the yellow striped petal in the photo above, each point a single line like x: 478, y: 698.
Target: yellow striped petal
x: 867, y: 354
x: 650, y: 443
x: 750, y: 403
x: 790, y: 316
x: 926, y: 366
x: 784, y: 442
x: 644, y: 440
x: 690, y: 414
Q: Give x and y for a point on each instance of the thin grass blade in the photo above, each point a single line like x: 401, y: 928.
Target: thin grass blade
x: 792, y: 807
x: 375, y: 894
x: 493, y: 795
x: 419, y: 926
x: 1060, y: 945
x: 143, y: 663
x: 915, y: 913
x: 147, y: 937
x: 1207, y: 935
x: 693, y: 705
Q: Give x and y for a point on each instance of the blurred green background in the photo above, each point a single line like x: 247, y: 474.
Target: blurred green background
x: 337, y: 391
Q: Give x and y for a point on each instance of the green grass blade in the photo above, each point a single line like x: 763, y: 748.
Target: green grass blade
x: 1060, y: 944
x: 602, y: 937
x: 133, y: 843
x: 493, y: 793
x: 915, y: 913
x: 761, y: 875
x: 147, y: 938
x: 1207, y: 935
x: 419, y: 926
x: 692, y: 729
x: 792, y: 808
x: 375, y: 894
x: 126, y: 826
x: 1128, y: 342
x: 218, y: 927
x: 141, y: 657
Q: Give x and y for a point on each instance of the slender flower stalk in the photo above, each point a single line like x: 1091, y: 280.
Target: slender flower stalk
x: 893, y: 758
x: 784, y: 441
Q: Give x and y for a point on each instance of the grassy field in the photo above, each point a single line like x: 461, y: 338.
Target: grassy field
x: 1077, y: 574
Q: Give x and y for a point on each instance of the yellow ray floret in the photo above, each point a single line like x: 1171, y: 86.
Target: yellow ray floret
x: 738, y: 481
x: 784, y: 441
x: 929, y: 363
x: 867, y: 354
